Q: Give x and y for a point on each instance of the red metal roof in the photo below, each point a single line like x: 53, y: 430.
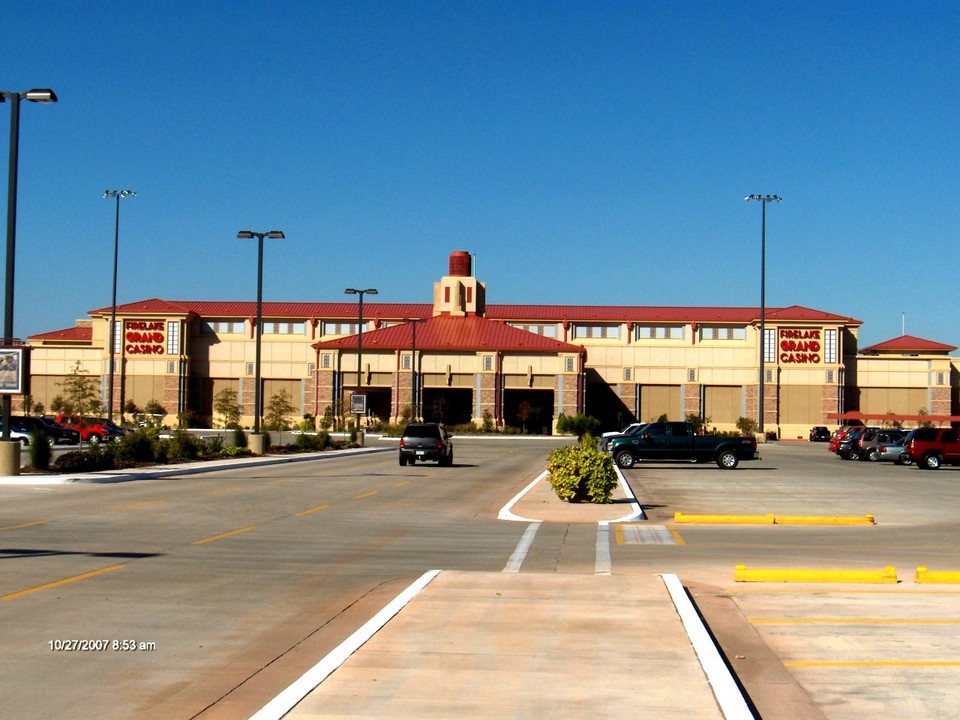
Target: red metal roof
x: 908, y: 344
x: 516, y: 313
x: 445, y: 332
x: 78, y: 333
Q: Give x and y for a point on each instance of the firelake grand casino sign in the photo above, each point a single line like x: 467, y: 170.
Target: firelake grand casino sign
x: 144, y: 337
x: 799, y: 346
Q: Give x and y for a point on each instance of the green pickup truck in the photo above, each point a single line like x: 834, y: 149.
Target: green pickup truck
x: 670, y: 441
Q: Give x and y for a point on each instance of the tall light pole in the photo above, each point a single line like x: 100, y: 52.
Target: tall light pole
x: 361, y: 293
x: 257, y: 393
x: 41, y: 95
x: 113, y: 307
x: 763, y: 200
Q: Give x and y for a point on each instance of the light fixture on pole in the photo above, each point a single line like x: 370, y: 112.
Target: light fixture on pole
x: 257, y: 391
x: 763, y: 200
x: 113, y: 307
x: 361, y: 293
x: 41, y: 95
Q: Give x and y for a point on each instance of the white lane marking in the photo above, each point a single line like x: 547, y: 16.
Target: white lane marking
x: 286, y: 700
x: 516, y: 560
x: 505, y: 513
x: 602, y: 563
x: 725, y: 688
x: 628, y: 491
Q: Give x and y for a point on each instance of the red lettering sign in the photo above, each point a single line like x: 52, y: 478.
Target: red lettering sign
x: 144, y: 337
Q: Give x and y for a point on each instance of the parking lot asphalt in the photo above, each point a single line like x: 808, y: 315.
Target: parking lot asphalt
x: 508, y: 644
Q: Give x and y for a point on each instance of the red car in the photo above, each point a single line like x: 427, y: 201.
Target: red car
x: 840, y: 434
x: 930, y: 448
x: 91, y: 430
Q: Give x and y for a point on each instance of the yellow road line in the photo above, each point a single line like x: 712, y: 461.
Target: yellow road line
x: 676, y: 535
x: 402, y: 484
x: 365, y: 495
x: 871, y: 663
x: 312, y: 510
x: 59, y: 583
x: 24, y: 525
x: 138, y: 505
x: 223, y: 535
x: 224, y: 491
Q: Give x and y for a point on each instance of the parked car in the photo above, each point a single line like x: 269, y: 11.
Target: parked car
x: 893, y: 452
x: 58, y: 434
x: 840, y: 434
x: 119, y: 429
x: 631, y: 429
x: 869, y: 442
x: 90, y: 429
x: 15, y: 434
x: 426, y: 441
x: 930, y: 448
x: 849, y: 446
x: 819, y: 434
x: 673, y: 441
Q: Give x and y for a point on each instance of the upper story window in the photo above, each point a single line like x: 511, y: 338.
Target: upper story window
x: 173, y: 338
x: 605, y: 332
x: 284, y: 328
x: 222, y: 327
x: 549, y: 331
x: 658, y: 332
x: 340, y: 328
x: 723, y: 332
x: 830, y: 346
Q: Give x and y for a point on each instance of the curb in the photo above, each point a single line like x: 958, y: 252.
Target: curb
x: 887, y: 575
x: 771, y: 519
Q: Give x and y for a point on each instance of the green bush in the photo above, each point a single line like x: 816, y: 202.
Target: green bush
x: 310, y: 442
x: 579, y: 425
x: 84, y: 461
x: 582, y: 471
x: 40, y: 451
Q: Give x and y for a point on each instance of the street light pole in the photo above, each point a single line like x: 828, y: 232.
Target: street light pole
x: 413, y: 370
x: 42, y: 95
x: 257, y: 393
x: 763, y: 200
x: 361, y: 293
x: 113, y: 307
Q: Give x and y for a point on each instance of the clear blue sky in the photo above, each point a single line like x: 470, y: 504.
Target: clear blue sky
x: 587, y: 153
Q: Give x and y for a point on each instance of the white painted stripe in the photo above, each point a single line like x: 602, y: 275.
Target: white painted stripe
x: 602, y: 563
x: 725, y: 689
x: 637, y: 511
x: 516, y: 560
x: 286, y: 700
x: 505, y: 513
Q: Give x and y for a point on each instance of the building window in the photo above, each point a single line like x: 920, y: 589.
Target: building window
x: 940, y: 378
x: 117, y: 336
x: 830, y: 377
x: 658, y: 332
x: 568, y: 365
x: 171, y: 367
x: 325, y: 361
x: 488, y: 363
x: 222, y: 327
x: 691, y: 375
x: 628, y: 374
x: 406, y: 362
x: 545, y: 330
x: 173, y: 338
x: 311, y: 369
x: 722, y: 332
x: 340, y: 328
x: 596, y: 332
x: 830, y: 346
x: 769, y: 345
x: 284, y: 328
x: 768, y: 375
x: 249, y: 368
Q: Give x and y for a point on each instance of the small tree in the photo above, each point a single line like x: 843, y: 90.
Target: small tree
x: 225, y: 404
x: 82, y: 392
x: 27, y: 405
x: 523, y: 414
x: 278, y: 410
x: 58, y: 405
x: 327, y: 420
x: 699, y: 422
x: 579, y: 425
x: 748, y: 426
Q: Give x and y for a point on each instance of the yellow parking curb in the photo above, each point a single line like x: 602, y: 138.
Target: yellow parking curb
x: 887, y: 575
x: 945, y: 577
x: 771, y: 519
x: 730, y: 519
x: 824, y: 520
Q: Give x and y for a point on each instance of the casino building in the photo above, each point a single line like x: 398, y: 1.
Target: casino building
x: 459, y: 359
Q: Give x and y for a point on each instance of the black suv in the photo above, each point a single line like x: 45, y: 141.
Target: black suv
x: 426, y: 441
x: 58, y: 434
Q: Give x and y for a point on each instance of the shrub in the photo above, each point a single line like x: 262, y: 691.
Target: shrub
x: 579, y: 425
x: 581, y: 472
x: 132, y: 449
x: 40, y: 451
